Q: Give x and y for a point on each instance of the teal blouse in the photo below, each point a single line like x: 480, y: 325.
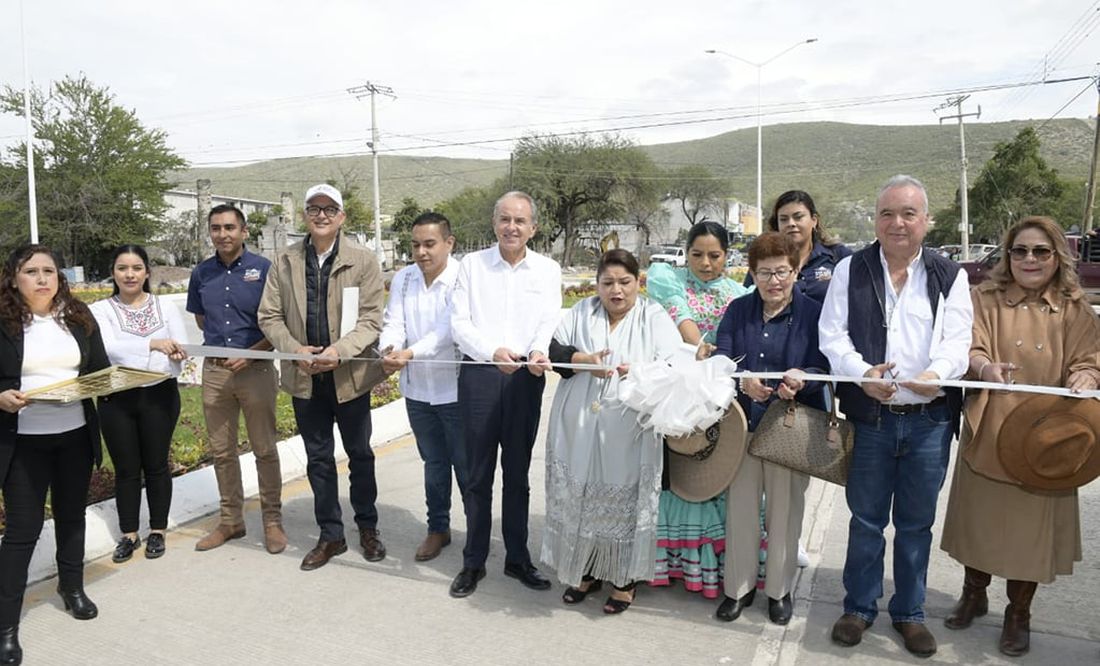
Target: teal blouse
x: 685, y: 296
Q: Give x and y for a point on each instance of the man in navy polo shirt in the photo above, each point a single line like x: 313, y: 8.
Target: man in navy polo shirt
x: 224, y: 295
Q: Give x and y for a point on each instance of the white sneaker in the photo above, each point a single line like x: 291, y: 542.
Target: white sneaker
x: 803, y: 558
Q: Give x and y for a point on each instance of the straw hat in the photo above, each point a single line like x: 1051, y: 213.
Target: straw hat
x: 1052, y: 443
x: 703, y: 464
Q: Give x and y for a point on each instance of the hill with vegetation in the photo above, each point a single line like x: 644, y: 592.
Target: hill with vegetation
x: 840, y: 164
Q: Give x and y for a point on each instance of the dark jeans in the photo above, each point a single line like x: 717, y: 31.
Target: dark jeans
x: 137, y: 426
x: 498, y: 410
x: 899, y: 463
x: 439, y: 438
x: 62, y: 465
x: 315, y: 419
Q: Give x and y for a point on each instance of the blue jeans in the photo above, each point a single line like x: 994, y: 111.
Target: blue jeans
x: 898, y: 461
x: 439, y: 438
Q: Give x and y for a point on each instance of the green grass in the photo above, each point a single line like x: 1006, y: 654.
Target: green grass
x: 189, y: 451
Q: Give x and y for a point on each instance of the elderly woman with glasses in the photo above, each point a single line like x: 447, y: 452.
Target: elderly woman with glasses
x: 773, y: 329
x: 1032, y: 325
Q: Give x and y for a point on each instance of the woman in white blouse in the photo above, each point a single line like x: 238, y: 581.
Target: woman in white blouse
x: 140, y: 331
x: 46, y: 336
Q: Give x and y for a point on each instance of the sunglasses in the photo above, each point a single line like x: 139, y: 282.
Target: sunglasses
x: 1020, y: 252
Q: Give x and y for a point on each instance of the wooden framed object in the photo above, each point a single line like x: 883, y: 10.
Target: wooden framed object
x: 93, y: 385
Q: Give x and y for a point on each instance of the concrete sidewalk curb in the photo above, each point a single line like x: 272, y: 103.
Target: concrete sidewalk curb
x: 195, y: 494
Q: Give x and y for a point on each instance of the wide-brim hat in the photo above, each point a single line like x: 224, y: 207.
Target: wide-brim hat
x: 1050, y: 442
x: 702, y: 465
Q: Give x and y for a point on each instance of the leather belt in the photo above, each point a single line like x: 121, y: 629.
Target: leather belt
x: 915, y: 407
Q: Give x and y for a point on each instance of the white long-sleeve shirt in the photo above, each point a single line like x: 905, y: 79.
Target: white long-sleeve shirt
x: 915, y: 341
x: 495, y: 304
x: 127, y: 332
x: 418, y: 317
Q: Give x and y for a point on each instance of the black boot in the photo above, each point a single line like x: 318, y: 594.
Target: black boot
x: 1016, y: 632
x: 973, y: 603
x: 78, y: 603
x: 10, y: 652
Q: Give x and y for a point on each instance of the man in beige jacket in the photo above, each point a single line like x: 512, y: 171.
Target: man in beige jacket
x: 324, y: 296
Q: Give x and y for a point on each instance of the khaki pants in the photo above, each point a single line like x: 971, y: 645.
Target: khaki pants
x: 224, y: 396
x: 785, y: 491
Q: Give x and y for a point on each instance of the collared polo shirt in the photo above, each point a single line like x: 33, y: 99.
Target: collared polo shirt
x: 228, y: 297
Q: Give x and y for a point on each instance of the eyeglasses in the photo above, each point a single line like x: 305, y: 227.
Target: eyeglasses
x: 329, y: 211
x: 765, y: 276
x: 1020, y: 252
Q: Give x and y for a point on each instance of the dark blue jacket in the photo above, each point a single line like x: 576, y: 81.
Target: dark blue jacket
x: 813, y: 279
x: 741, y: 330
x: 867, y: 322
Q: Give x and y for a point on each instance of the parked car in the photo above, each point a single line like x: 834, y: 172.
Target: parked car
x: 677, y: 256
x: 1085, y: 250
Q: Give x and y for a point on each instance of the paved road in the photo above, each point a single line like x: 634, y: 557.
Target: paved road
x: 240, y: 605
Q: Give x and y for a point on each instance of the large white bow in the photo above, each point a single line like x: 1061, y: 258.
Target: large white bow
x: 681, y: 395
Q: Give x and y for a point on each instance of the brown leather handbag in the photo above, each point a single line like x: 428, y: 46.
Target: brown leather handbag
x: 805, y: 439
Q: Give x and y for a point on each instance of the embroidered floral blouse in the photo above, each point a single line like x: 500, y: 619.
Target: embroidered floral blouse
x: 127, y: 332
x: 685, y: 296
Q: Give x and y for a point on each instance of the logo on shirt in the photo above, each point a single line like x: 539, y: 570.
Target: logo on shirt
x: 251, y: 275
x: 822, y: 273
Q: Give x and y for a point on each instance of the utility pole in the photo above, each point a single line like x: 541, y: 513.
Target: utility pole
x: 32, y: 195
x: 1090, y: 190
x: 371, y: 90
x: 964, y: 223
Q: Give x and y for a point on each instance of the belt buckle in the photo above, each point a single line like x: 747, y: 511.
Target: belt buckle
x: 900, y: 409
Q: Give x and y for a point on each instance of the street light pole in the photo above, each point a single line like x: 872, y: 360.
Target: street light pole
x: 759, y: 118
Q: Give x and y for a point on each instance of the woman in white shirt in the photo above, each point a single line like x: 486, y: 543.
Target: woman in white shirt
x: 46, y: 336
x: 140, y: 331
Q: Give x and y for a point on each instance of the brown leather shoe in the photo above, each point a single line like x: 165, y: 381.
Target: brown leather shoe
x: 274, y: 538
x: 322, y: 553
x: 1016, y: 631
x: 848, y: 630
x: 219, y: 536
x: 918, y: 640
x: 373, y: 548
x: 433, y: 544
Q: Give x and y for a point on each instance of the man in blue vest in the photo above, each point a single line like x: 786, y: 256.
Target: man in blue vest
x: 896, y: 310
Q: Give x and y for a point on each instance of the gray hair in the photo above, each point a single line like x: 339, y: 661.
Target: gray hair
x: 516, y: 194
x: 902, y: 180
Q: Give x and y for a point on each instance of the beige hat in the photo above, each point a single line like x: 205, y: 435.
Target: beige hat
x: 1049, y: 442
x: 702, y: 465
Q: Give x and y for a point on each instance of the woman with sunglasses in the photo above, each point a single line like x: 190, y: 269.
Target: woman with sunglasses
x: 1033, y: 325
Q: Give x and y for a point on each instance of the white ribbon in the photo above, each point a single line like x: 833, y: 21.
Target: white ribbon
x: 696, y: 377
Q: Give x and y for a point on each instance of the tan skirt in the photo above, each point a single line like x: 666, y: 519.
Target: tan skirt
x: 1005, y: 530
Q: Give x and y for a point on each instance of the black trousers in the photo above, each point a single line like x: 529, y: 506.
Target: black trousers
x: 315, y: 419
x: 137, y: 426
x: 498, y: 410
x: 62, y: 465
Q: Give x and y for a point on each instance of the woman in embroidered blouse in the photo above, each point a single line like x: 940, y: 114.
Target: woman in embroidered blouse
x: 795, y: 216
x: 691, y: 535
x: 140, y: 331
x: 46, y: 336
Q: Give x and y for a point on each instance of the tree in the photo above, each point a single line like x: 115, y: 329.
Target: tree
x: 101, y: 175
x: 642, y: 200
x: 402, y: 224
x: 697, y: 190
x: 1014, y: 183
x: 574, y: 180
x: 470, y: 212
x: 359, y: 216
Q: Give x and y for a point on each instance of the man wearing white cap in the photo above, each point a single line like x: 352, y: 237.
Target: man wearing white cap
x: 303, y: 311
